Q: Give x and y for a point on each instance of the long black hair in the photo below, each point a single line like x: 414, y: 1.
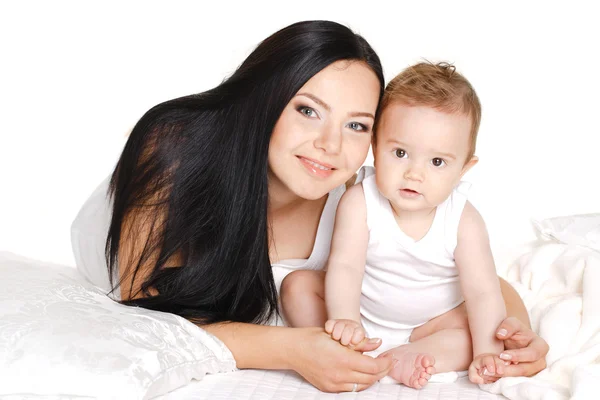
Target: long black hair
x: 191, y: 183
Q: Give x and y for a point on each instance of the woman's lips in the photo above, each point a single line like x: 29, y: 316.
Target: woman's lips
x: 316, y: 168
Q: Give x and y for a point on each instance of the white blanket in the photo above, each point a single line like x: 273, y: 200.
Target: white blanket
x: 560, y: 285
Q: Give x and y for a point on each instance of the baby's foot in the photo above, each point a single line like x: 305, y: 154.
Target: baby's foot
x: 413, y: 369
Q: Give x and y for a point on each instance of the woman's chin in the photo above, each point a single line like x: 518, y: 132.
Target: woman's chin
x: 315, y: 190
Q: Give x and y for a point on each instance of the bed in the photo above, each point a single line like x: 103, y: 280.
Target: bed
x: 61, y: 337
x: 280, y: 385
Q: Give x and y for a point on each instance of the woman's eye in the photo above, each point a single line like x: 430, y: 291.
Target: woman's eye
x: 438, y: 162
x: 400, y: 153
x: 307, y: 111
x: 357, y: 127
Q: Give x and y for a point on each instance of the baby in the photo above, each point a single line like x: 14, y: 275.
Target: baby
x: 407, y: 245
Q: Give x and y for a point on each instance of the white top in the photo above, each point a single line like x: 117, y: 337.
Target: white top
x: 90, y: 229
x: 320, y: 252
x: 407, y: 282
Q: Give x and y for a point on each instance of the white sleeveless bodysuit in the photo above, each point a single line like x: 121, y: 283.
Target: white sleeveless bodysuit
x: 407, y: 282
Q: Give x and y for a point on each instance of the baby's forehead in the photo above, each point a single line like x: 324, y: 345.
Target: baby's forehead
x: 423, y: 126
x: 418, y: 111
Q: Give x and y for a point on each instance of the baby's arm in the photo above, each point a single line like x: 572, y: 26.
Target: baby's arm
x: 480, y: 288
x: 345, y: 268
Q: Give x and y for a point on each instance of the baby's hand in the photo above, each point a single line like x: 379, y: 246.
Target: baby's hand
x: 485, y: 368
x: 348, y: 332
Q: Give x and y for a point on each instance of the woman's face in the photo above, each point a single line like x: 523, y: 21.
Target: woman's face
x: 322, y: 136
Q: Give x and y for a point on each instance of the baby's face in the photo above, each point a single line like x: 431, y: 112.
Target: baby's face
x: 420, y: 155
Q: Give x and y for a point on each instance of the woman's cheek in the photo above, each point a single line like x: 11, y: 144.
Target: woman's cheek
x: 358, y: 148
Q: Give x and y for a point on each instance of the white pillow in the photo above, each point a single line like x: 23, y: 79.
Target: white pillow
x: 583, y: 230
x: 60, y: 336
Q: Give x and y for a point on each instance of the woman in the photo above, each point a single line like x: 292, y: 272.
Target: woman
x: 217, y: 196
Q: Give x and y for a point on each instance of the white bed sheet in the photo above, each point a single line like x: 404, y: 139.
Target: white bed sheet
x: 287, y: 385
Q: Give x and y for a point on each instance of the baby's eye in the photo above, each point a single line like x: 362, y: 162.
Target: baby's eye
x: 400, y: 153
x: 307, y: 111
x: 356, y: 126
x: 438, y: 162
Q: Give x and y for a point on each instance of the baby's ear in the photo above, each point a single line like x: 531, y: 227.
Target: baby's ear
x: 469, y: 164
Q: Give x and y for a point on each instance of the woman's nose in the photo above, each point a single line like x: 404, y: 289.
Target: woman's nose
x: 329, y: 140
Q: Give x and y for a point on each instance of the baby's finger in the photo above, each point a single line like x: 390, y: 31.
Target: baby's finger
x: 499, y: 366
x: 347, y: 335
x: 474, y: 374
x: 338, y: 330
x: 490, y: 379
x: 329, y: 326
x: 489, y: 366
x: 358, y: 336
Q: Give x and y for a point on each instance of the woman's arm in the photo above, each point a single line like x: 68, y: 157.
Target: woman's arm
x: 248, y: 342
x: 311, y: 352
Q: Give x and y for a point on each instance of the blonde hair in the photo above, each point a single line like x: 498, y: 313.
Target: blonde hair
x: 438, y: 86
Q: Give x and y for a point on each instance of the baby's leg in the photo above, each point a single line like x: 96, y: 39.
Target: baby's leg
x: 446, y: 338
x: 451, y: 349
x: 303, y: 298
x: 453, y: 319
x: 449, y: 337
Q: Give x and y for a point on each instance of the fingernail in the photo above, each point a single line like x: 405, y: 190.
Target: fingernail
x: 487, y: 373
x: 374, y: 341
x: 505, y: 356
x: 502, y: 332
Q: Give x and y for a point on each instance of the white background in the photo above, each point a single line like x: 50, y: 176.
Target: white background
x: 76, y: 76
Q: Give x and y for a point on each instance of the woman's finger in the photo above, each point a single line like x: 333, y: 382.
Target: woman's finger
x: 349, y: 387
x: 509, y: 327
x: 368, y: 344
x: 371, y: 366
x: 362, y: 370
x: 365, y: 379
x: 536, y: 350
x: 525, y: 368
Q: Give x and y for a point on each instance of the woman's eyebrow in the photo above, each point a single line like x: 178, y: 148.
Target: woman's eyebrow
x: 328, y: 107
x: 316, y: 100
x: 361, y: 114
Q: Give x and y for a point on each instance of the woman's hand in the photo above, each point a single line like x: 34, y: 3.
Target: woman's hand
x: 523, y: 348
x: 331, y: 367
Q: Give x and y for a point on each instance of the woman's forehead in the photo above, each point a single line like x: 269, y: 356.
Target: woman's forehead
x: 345, y: 84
